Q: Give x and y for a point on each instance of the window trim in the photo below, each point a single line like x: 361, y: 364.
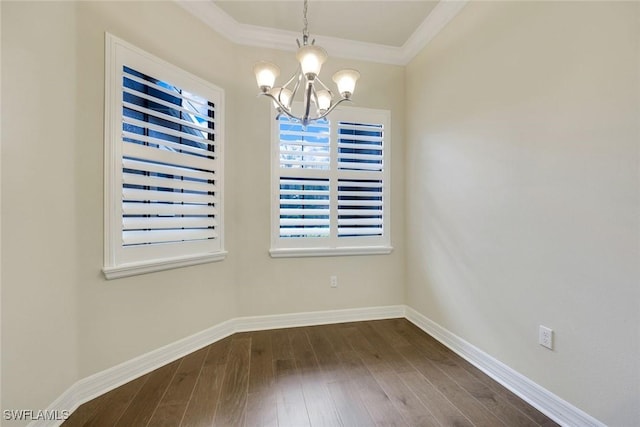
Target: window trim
x: 309, y: 247
x: 114, y: 264
x: 325, y: 252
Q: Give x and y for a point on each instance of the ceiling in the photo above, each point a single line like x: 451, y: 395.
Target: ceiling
x: 382, y: 22
x: 385, y: 31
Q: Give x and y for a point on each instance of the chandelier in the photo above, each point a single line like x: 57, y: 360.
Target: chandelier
x: 305, y: 80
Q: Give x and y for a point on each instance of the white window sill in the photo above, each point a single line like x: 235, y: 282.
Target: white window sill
x: 318, y: 252
x: 159, y: 265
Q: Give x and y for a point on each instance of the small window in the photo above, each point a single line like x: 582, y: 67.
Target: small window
x: 163, y: 148
x: 330, y: 185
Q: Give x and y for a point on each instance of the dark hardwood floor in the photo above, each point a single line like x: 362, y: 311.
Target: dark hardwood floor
x: 377, y: 373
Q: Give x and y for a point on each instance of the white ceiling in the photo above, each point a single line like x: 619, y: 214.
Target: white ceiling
x: 385, y: 31
x: 382, y: 22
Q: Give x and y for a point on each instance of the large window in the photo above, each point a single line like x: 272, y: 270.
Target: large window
x: 163, y: 164
x: 330, y: 185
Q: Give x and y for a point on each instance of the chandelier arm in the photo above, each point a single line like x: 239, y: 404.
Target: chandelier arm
x: 314, y: 96
x: 295, y: 75
x: 281, y: 108
x: 297, y: 85
x: 333, y: 107
x: 317, y: 79
x: 308, y: 93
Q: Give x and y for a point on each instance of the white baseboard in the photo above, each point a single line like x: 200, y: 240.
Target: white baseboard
x: 291, y: 320
x: 104, y: 381
x: 95, y: 385
x: 540, y: 398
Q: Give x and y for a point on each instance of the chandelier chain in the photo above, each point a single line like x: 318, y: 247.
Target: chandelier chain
x: 305, y: 30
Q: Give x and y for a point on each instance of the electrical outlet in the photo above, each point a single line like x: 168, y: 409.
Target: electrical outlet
x: 333, y: 280
x: 545, y: 337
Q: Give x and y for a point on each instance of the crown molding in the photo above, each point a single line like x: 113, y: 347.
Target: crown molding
x: 439, y: 17
x: 252, y: 35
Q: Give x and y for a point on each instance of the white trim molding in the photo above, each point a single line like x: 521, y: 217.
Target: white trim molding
x: 315, y: 252
x: 439, y: 17
x: 95, y: 385
x: 252, y: 35
x: 292, y: 320
x: 159, y: 265
x: 540, y: 398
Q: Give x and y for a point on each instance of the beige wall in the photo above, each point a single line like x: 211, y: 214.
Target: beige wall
x: 39, y: 193
x: 523, y: 192
x: 80, y: 323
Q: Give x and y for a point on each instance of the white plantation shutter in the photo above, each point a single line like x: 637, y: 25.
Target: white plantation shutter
x: 360, y: 146
x: 360, y: 201
x: 303, y: 187
x: 330, y: 184
x: 164, y: 149
x: 304, y: 207
x: 176, y: 155
x: 360, y: 208
x: 303, y: 148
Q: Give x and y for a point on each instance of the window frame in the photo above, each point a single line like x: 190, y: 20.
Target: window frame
x: 121, y: 261
x: 333, y: 245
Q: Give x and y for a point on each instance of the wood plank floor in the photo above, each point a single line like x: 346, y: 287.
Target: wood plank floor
x: 377, y: 373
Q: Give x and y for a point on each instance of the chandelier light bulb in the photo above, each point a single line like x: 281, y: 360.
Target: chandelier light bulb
x: 311, y: 59
x: 346, y: 81
x: 324, y: 100
x: 283, y: 95
x: 266, y: 74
